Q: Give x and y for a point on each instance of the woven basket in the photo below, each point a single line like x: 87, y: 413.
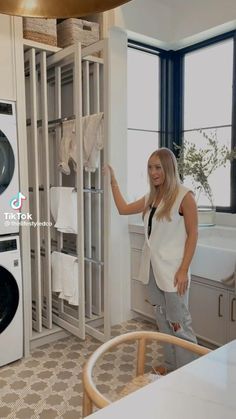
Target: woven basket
x: 73, y: 30
x: 40, y: 30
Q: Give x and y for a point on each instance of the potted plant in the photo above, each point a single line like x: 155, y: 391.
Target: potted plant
x: 199, y: 163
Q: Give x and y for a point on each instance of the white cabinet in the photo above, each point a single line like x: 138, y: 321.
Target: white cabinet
x: 208, y: 307
x: 7, y: 58
x: 232, y: 315
x: 213, y: 310
x: 211, y: 304
x: 139, y: 300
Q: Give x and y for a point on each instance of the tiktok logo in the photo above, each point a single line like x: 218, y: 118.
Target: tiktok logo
x: 17, y: 201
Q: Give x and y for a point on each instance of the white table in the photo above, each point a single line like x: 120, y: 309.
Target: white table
x: 203, y: 389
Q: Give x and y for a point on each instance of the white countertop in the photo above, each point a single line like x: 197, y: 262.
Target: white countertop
x: 139, y: 228
x: 203, y: 389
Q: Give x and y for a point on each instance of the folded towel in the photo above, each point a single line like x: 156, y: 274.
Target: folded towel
x: 93, y: 133
x: 63, y: 202
x: 65, y: 277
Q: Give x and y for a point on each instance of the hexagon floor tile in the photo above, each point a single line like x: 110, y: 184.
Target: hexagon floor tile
x: 48, y: 384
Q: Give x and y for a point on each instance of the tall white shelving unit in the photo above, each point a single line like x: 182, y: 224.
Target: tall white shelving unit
x: 69, y: 83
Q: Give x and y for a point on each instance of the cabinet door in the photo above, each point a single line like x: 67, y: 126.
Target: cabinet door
x: 139, y: 301
x: 232, y: 316
x: 135, y: 263
x: 139, y: 296
x: 208, y: 307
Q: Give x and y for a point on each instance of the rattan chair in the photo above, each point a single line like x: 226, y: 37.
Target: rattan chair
x: 92, y: 395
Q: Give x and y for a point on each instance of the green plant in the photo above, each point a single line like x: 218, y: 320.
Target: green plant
x: 200, y: 163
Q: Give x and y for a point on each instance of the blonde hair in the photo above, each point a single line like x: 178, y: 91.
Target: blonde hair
x: 170, y: 185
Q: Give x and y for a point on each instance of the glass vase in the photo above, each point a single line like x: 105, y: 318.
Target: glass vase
x: 206, y: 210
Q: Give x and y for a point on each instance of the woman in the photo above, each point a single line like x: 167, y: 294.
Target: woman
x: 170, y: 221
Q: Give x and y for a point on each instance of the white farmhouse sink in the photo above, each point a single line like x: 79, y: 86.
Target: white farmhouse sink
x: 215, y: 256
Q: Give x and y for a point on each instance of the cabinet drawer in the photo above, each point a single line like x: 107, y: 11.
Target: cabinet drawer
x: 137, y: 240
x: 139, y: 301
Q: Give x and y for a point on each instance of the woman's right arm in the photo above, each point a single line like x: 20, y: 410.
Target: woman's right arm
x: 122, y: 206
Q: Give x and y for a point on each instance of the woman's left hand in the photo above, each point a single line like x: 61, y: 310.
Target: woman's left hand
x: 181, y: 281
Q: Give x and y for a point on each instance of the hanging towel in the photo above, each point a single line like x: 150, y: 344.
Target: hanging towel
x: 65, y: 277
x: 74, y: 299
x: 63, y: 202
x: 57, y: 278
x: 67, y: 148
x: 93, y: 140
x: 54, y: 201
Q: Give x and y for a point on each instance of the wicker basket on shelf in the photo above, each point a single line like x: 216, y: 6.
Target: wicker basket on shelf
x: 72, y: 30
x: 40, y: 30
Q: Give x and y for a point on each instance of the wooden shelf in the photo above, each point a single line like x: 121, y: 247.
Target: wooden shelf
x: 28, y: 43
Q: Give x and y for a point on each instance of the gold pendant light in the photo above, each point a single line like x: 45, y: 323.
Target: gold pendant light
x: 57, y: 8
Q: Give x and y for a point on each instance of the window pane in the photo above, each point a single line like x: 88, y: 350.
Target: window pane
x: 140, y: 146
x: 143, y: 90
x: 219, y: 180
x: 208, y: 86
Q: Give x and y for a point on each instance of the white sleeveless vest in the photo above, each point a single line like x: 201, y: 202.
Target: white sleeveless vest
x: 164, y: 249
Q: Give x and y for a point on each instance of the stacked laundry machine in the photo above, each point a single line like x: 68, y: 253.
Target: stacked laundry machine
x: 11, y: 312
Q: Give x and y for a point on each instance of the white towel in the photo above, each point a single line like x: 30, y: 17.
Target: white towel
x: 54, y: 202
x: 74, y: 299
x: 65, y: 277
x: 63, y: 202
x: 57, y: 278
x: 93, y: 139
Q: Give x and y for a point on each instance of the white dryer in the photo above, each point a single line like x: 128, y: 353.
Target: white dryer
x: 11, y: 313
x: 9, y: 179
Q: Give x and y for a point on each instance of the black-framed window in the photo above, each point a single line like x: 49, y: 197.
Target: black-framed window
x: 210, y: 68
x: 207, y: 109
x: 144, y: 110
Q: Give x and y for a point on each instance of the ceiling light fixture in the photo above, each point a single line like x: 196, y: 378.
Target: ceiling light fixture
x: 57, y: 8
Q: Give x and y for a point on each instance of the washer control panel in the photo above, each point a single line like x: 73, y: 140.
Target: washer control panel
x: 8, y: 245
x: 6, y: 108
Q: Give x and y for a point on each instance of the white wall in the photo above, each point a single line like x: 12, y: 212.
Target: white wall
x: 119, y: 247
x: 7, y: 58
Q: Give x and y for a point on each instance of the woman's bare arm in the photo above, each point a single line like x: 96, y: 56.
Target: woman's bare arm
x: 123, y: 207
x: 189, y: 209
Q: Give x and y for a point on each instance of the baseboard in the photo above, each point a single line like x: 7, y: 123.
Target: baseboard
x: 47, y: 336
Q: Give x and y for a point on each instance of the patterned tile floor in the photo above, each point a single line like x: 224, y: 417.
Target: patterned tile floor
x: 48, y: 384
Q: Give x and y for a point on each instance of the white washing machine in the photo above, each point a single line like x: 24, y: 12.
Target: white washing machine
x: 9, y: 179
x: 11, y: 313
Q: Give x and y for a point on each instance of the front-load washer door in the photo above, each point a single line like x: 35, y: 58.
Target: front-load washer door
x: 7, y: 163
x: 9, y: 180
x: 9, y: 298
